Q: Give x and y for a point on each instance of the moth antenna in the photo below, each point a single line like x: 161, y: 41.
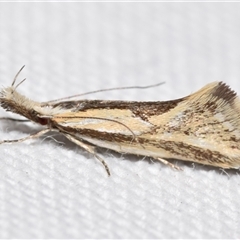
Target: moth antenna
x: 117, y: 88
x: 106, y: 90
x: 20, y: 83
x: 112, y: 120
x: 15, y: 78
x: 107, y: 119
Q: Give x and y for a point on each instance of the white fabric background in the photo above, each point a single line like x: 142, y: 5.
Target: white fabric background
x: 56, y: 190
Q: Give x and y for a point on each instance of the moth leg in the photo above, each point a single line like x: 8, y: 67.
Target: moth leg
x: 90, y: 149
x: 35, y: 135
x: 168, y: 163
x: 14, y: 119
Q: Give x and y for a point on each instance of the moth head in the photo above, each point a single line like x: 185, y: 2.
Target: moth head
x: 15, y: 102
x: 9, y: 95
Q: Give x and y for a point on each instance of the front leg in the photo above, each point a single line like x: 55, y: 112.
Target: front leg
x: 35, y: 135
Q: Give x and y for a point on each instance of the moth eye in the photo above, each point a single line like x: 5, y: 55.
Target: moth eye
x: 43, y: 121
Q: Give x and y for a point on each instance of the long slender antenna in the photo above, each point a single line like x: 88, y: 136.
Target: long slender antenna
x: 15, y: 78
x: 105, y: 90
x: 20, y: 83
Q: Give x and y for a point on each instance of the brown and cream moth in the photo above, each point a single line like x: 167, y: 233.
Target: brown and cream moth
x: 203, y: 127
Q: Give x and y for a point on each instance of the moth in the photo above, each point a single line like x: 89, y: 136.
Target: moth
x: 203, y: 127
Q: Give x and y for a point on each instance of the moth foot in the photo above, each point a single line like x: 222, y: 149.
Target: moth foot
x: 169, y: 164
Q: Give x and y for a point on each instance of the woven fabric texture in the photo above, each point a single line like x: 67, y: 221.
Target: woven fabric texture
x: 51, y: 188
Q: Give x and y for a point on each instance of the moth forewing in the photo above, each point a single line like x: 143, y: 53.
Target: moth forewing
x: 203, y: 127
